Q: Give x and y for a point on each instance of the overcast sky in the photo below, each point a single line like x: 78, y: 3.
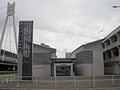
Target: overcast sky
x: 67, y: 24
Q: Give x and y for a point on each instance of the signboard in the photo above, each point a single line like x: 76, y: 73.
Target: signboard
x: 25, y: 48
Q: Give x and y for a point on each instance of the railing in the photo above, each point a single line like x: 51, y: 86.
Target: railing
x: 7, y: 72
x: 61, y: 82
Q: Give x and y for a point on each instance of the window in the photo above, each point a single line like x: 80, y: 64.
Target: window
x: 115, y: 51
x: 103, y: 45
x: 114, y: 38
x: 107, y: 42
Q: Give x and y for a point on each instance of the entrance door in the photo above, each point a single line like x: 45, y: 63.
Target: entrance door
x: 63, y: 71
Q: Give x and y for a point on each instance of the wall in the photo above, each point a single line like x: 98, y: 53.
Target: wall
x: 110, y: 70
x: 98, y: 64
x: 95, y: 46
x: 67, y: 55
x: 87, y: 63
x: 113, y: 69
x: 73, y: 54
x: 41, y: 70
x: 83, y: 70
x: 41, y: 60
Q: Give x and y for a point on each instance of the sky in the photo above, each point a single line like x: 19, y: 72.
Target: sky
x: 66, y: 24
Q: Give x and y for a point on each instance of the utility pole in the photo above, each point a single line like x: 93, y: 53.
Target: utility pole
x: 10, y: 13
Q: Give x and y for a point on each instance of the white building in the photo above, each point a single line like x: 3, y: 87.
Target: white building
x: 111, y: 52
x: 41, y: 60
x: 89, y: 59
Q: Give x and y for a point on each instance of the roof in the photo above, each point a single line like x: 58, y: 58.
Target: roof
x: 63, y: 60
x: 112, y: 33
x: 88, y: 44
x: 44, y: 46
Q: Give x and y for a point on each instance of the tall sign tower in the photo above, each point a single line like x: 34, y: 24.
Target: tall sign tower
x: 25, y: 49
x: 10, y: 13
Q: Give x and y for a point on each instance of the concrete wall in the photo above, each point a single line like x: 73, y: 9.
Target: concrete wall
x: 83, y: 70
x: 41, y: 70
x: 67, y: 55
x: 96, y: 46
x: 113, y: 69
x: 110, y: 70
x: 39, y: 49
x: 73, y: 54
x: 92, y: 64
x: 41, y: 60
x: 98, y: 63
x: 90, y: 67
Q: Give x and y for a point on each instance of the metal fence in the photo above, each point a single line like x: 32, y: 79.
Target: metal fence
x: 61, y: 82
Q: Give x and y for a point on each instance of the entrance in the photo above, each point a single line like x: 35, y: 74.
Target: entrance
x: 63, y: 70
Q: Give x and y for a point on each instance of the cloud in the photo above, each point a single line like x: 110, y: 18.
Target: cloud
x: 67, y: 24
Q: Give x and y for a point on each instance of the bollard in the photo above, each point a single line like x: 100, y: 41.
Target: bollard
x: 112, y: 80
x: 74, y: 81
x: 2, y: 81
x: 55, y: 82
x: 10, y: 79
x: 36, y: 81
x: 94, y: 81
x: 6, y: 80
x: 18, y: 84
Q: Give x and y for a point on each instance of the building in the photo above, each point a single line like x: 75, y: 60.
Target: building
x: 111, y: 52
x: 42, y: 54
x: 89, y: 59
x: 8, y: 61
x: 62, y: 66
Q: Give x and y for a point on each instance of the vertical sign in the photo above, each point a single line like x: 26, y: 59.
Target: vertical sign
x: 25, y: 49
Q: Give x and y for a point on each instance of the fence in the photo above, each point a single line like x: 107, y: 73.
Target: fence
x: 61, y: 82
x: 7, y: 72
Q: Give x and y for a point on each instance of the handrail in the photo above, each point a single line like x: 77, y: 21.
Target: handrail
x: 7, y: 72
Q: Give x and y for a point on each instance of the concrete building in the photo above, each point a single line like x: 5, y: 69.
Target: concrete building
x: 111, y: 52
x: 8, y: 61
x: 89, y: 59
x: 62, y: 66
x: 41, y: 60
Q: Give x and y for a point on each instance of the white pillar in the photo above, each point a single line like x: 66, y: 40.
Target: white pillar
x: 72, y: 70
x: 3, y: 32
x: 54, y: 70
x: 15, y: 33
x: 10, y: 12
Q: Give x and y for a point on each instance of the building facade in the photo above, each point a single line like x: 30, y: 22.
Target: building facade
x: 89, y: 59
x: 111, y: 52
x: 41, y: 60
x: 62, y: 66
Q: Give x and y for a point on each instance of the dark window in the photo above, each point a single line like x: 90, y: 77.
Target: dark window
x: 107, y: 42
x: 103, y: 45
x: 115, y: 51
x: 114, y: 38
x: 104, y: 56
x: 108, y: 53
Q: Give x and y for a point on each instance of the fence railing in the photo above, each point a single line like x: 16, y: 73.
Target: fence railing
x: 7, y: 72
x: 60, y: 82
